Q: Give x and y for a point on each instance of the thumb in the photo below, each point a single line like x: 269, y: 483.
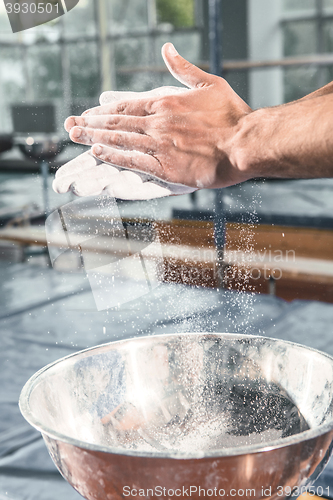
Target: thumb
x: 184, y: 71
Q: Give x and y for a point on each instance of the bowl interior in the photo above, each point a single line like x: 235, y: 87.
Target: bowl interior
x: 194, y: 393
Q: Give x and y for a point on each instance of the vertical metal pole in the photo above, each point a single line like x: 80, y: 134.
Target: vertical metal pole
x: 215, y: 64
x: 215, y: 37
x: 321, y: 80
x: 29, y: 93
x: 66, y: 74
x: 44, y: 167
x: 152, y: 25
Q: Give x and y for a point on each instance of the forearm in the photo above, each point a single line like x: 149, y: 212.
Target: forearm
x: 290, y: 141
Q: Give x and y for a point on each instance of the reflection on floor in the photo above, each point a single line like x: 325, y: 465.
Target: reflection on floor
x: 291, y: 263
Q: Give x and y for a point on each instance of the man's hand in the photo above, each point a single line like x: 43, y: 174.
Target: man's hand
x: 206, y: 136
x: 187, y: 138
x: 88, y: 176
x: 85, y: 175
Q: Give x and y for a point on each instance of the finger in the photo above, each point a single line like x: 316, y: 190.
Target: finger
x: 78, y: 164
x: 135, y: 107
x: 184, y: 71
x: 117, y: 139
x: 69, y: 123
x: 132, y: 160
x: 139, y: 104
x: 112, y: 96
x: 94, y: 183
x: 81, y: 188
x: 129, y: 186
x: 92, y: 179
x: 125, y: 185
x: 108, y: 122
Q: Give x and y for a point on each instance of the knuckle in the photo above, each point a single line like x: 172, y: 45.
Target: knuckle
x: 119, y: 140
x: 80, y: 121
x: 109, y: 123
x: 121, y: 108
x: 92, y: 136
x: 168, y: 102
x: 140, y: 126
x: 150, y: 107
x: 116, y: 140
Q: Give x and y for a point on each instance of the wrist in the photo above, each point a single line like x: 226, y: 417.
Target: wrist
x: 252, y: 150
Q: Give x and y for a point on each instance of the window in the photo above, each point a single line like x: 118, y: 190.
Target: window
x: 307, y: 30
x: 63, y: 61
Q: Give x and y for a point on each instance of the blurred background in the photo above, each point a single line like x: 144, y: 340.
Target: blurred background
x: 108, y: 44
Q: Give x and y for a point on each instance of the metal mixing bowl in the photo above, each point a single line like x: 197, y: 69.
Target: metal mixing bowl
x: 244, y: 415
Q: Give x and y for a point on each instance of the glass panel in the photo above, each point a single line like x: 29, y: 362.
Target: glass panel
x: 134, y: 53
x: 45, y: 72
x: 84, y: 70
x: 80, y: 21
x: 12, y: 83
x: 179, y: 13
x: 299, y: 4
x: 129, y: 15
x: 328, y: 36
x: 48, y: 31
x: 138, y: 82
x: 299, y: 82
x: 299, y: 38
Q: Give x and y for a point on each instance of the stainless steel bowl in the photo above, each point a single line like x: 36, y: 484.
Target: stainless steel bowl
x: 234, y: 415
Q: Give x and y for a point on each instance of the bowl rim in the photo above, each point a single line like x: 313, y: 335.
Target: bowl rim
x: 298, y: 438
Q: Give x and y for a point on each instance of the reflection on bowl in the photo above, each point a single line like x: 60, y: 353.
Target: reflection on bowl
x: 219, y: 412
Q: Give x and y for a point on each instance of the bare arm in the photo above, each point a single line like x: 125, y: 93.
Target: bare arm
x: 293, y: 141
x: 208, y: 136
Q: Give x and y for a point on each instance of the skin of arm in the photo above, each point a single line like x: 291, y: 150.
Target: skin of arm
x: 290, y: 141
x: 207, y: 136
